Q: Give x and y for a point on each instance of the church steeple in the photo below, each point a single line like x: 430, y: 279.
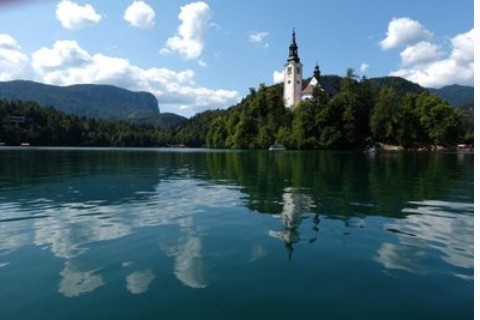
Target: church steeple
x: 293, y: 50
x: 316, y: 72
x: 292, y: 84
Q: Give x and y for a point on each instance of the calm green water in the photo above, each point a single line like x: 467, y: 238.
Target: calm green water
x: 161, y: 234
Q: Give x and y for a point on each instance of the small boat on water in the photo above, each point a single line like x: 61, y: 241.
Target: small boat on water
x: 277, y: 147
x: 464, y: 147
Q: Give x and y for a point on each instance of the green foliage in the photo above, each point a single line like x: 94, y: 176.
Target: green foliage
x: 304, y: 131
x: 48, y: 127
x: 193, y: 133
x: 384, y: 118
x: 388, y: 110
x: 162, y: 121
x: 441, y: 123
x: 399, y: 85
x: 361, y: 113
x: 467, y: 120
x: 217, y: 134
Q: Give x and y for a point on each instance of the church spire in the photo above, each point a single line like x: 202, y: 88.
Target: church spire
x: 292, y: 84
x: 293, y: 52
x: 316, y: 72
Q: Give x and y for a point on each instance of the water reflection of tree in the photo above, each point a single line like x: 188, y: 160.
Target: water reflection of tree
x: 108, y: 175
x: 334, y: 180
x: 340, y: 185
x: 331, y: 184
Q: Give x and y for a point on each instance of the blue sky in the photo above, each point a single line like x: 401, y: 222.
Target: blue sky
x: 195, y: 55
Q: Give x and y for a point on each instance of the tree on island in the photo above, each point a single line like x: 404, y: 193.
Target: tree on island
x: 358, y: 116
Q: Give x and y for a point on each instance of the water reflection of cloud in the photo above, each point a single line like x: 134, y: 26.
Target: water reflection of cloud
x: 190, y: 268
x: 69, y: 229
x: 446, y: 227
x: 11, y: 239
x: 181, y: 202
x: 139, y: 281
x: 60, y: 239
x: 75, y: 282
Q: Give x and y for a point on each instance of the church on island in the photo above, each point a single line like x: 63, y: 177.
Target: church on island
x: 293, y: 91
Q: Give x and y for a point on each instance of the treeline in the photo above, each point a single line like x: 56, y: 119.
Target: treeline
x: 47, y: 127
x: 42, y: 126
x: 361, y: 114
x: 364, y: 112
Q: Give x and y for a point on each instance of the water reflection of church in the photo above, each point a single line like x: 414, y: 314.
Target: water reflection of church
x: 294, y: 206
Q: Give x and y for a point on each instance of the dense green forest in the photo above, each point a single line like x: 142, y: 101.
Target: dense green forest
x: 364, y: 112
x: 49, y: 127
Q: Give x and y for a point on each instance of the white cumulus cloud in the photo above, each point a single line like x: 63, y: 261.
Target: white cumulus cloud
x: 74, y: 16
x: 67, y: 63
x: 140, y: 14
x: 364, y: 67
x: 64, y: 54
x: 420, y: 52
x: 277, y: 76
x: 462, y: 47
x: 189, y: 39
x: 257, y: 37
x: 456, y: 68
x: 14, y: 63
x: 404, y: 31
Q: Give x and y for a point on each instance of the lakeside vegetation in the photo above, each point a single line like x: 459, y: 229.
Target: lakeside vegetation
x: 363, y: 113
x: 49, y: 127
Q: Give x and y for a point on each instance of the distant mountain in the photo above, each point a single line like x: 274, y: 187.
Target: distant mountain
x: 456, y: 94
x: 89, y: 100
x: 400, y: 85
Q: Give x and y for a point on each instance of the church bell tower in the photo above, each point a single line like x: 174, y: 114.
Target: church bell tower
x: 292, y: 86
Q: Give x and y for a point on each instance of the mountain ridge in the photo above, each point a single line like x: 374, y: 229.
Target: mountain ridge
x: 89, y: 100
x: 458, y: 95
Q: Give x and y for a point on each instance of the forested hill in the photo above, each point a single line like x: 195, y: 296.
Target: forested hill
x: 162, y: 121
x: 456, y: 94
x: 401, y: 86
x: 92, y: 101
x: 363, y: 112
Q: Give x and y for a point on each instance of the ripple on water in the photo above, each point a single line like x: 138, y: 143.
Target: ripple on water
x: 431, y: 226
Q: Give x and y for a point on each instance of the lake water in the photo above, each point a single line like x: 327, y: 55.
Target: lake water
x: 198, y: 234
